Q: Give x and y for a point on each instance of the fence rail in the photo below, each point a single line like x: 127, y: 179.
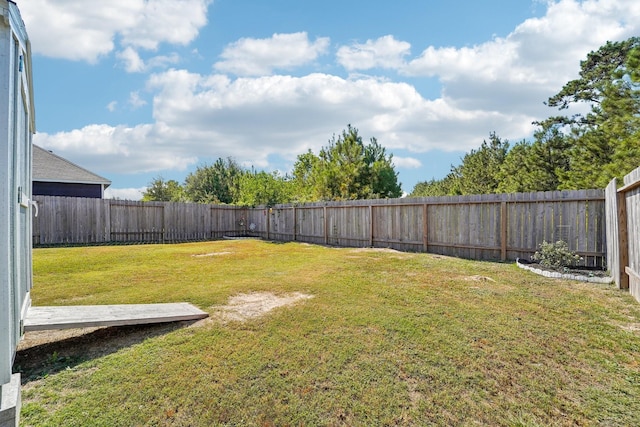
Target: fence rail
x: 623, y: 231
x: 496, y: 226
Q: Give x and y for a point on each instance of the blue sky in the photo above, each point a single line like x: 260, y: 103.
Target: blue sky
x: 138, y: 89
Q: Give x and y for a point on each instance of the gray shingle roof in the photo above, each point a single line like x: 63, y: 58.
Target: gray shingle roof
x: 49, y: 167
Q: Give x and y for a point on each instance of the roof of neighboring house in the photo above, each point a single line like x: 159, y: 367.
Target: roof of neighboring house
x: 49, y: 167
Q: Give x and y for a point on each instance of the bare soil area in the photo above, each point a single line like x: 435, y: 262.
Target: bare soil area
x: 243, y: 307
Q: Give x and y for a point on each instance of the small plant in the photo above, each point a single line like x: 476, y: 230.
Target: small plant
x: 556, y: 255
x: 54, y: 357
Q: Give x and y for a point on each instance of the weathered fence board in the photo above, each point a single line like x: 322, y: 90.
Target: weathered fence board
x: 631, y: 197
x: 623, y: 232
x: 495, y: 226
x: 64, y: 220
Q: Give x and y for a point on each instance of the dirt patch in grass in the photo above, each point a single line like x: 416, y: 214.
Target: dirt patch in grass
x: 629, y: 327
x: 395, y: 254
x: 211, y: 254
x: 478, y: 278
x: 383, y: 250
x: 243, y: 307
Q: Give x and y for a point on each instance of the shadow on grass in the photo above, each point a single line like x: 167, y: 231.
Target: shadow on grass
x: 55, y: 355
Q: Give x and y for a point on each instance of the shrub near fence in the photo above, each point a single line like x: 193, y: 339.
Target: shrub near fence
x: 495, y: 226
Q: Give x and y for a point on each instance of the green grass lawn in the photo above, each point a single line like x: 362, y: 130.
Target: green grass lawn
x: 388, y: 339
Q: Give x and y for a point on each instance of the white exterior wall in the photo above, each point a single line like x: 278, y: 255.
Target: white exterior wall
x: 16, y: 129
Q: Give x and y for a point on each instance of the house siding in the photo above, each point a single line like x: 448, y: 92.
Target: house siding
x: 67, y: 189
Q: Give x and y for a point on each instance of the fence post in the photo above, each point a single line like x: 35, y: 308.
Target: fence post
x: 326, y: 232
x: 163, y: 224
x: 370, y: 225
x: 503, y: 230
x: 268, y: 211
x: 623, y: 239
x: 295, y: 223
x: 425, y: 230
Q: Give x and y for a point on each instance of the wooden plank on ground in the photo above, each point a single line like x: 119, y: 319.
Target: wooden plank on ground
x: 85, y: 316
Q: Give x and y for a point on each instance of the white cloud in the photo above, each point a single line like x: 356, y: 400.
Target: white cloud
x: 132, y: 61
x: 540, y: 51
x: 515, y: 74
x: 407, y: 162
x: 254, y: 57
x: 135, y: 101
x: 162, y: 61
x: 121, y: 149
x: 384, y: 52
x: 124, y: 193
x: 71, y: 29
x: 166, y: 21
x: 112, y: 106
x: 252, y: 119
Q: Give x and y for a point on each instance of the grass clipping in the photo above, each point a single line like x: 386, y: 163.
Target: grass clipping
x: 243, y: 307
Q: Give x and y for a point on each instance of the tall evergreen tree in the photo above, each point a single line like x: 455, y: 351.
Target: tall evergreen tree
x: 604, y: 141
x: 448, y: 186
x: 515, y: 173
x: 347, y: 169
x: 217, y: 183
x: 479, y: 171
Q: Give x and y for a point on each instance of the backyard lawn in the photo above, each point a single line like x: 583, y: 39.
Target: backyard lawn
x: 381, y: 338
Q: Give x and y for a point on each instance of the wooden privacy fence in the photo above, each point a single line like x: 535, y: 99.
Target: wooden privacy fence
x: 75, y: 220
x: 623, y: 232
x: 494, y: 226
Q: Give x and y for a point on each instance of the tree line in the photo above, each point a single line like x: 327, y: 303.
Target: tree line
x: 568, y: 152
x: 346, y: 169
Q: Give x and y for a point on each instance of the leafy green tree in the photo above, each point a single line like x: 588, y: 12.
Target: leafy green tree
x: 633, y: 64
x: 160, y: 190
x: 515, y: 173
x: 448, y: 186
x: 347, y: 169
x: 381, y: 172
x: 342, y: 168
x: 262, y: 188
x: 598, y: 72
x: 535, y: 166
x: 217, y: 183
x: 306, y: 177
x: 548, y: 159
x: 480, y: 169
x: 480, y: 172
x: 603, y: 141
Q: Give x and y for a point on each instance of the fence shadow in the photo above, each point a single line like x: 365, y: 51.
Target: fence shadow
x: 55, y: 355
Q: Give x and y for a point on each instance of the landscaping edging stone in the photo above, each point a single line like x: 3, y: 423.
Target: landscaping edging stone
x: 558, y: 275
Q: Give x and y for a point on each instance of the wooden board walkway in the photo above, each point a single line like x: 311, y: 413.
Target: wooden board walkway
x: 86, y: 316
